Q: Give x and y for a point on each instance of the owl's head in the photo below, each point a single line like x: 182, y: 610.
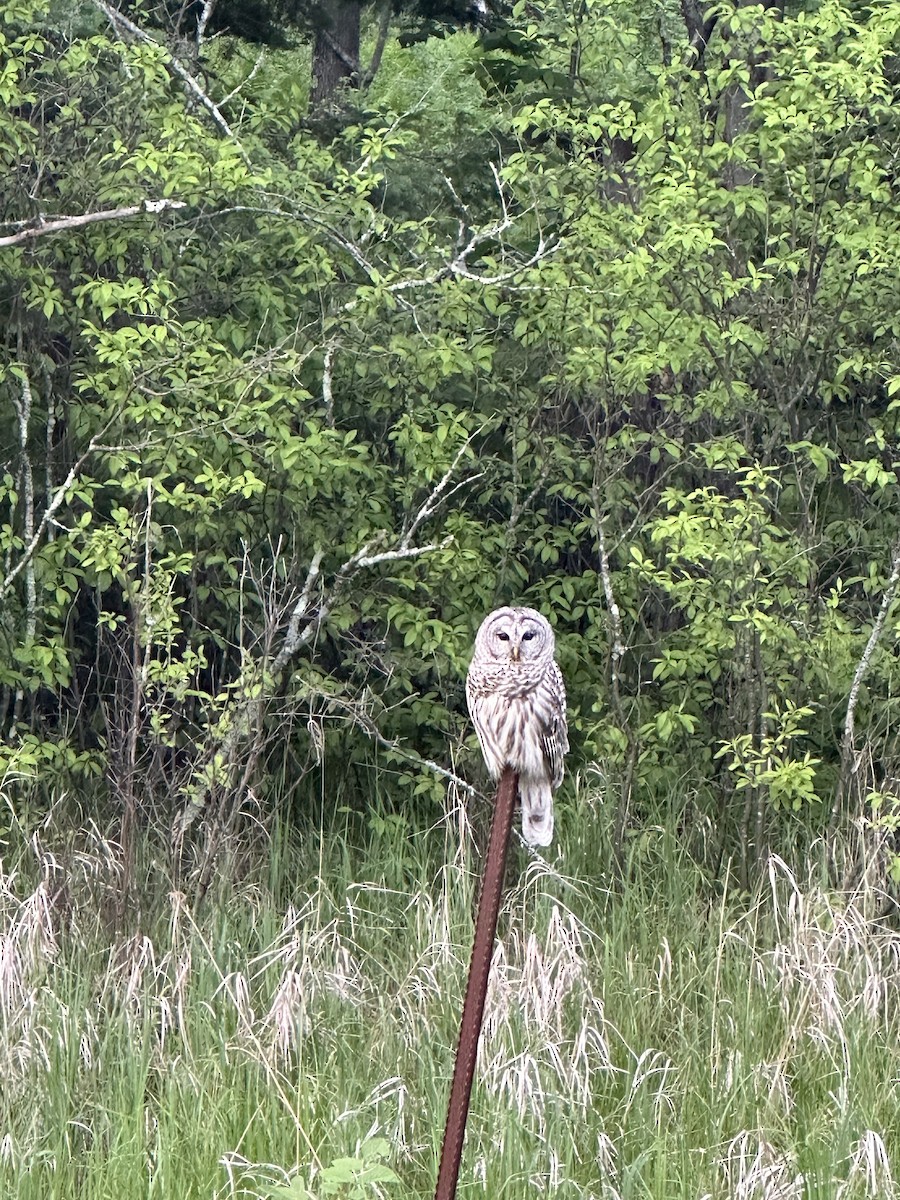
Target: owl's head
x: 514, y: 635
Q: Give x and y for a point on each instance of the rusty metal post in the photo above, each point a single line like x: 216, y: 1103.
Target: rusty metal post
x: 476, y: 987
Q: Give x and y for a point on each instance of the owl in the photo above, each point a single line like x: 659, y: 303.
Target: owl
x: 517, y: 701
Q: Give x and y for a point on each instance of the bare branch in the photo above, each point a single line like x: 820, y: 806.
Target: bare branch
x: 458, y: 264
x: 849, y: 761
x: 617, y: 639
x: 242, y: 720
x: 23, y: 414
x: 430, y: 504
x: 205, y: 13
x: 368, y: 555
x: 49, y: 513
x: 520, y: 507
x: 384, y: 24
x: 373, y: 560
x: 293, y: 638
x: 498, y: 183
x: 122, y: 22
x: 327, y: 394
x: 410, y: 755
x: 109, y: 214
x: 352, y: 64
x: 862, y: 666
x: 699, y: 26
x: 456, y: 260
x: 254, y: 70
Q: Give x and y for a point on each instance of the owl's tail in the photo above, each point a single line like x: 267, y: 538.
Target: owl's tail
x: 536, y: 796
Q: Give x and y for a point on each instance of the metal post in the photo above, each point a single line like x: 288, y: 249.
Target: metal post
x: 476, y: 987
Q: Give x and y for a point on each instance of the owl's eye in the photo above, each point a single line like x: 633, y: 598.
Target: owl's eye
x: 528, y: 635
x: 504, y: 637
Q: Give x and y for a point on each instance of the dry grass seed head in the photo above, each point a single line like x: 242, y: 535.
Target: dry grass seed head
x: 287, y: 1019
x: 395, y: 1119
x: 545, y: 1030
x: 28, y: 945
x: 829, y: 963
x: 312, y: 966
x: 870, y: 1167
x: 236, y: 989
x: 652, y: 1073
x: 754, y: 1170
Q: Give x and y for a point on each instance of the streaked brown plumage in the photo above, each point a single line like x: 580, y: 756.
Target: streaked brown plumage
x: 517, y: 701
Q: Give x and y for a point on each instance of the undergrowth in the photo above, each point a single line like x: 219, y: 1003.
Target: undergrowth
x: 295, y: 1035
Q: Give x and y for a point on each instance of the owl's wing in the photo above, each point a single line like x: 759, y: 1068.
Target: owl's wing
x: 555, y: 735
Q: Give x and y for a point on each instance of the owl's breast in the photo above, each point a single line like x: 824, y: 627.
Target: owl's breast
x: 511, y: 679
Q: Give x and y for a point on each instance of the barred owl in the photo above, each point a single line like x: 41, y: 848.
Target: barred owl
x: 517, y: 701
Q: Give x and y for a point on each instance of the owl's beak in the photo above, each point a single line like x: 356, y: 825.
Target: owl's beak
x: 514, y: 652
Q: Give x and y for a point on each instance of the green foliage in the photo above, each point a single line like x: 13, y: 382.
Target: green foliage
x: 788, y: 780
x: 593, y: 296
x: 356, y: 1178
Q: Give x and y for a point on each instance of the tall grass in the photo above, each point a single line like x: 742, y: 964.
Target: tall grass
x: 655, y: 1040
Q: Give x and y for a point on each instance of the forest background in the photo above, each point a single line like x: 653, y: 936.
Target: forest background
x: 327, y: 329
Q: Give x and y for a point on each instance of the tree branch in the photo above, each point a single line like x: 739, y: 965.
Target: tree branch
x: 617, y: 639
x: 293, y: 639
x: 202, y: 21
x: 57, y: 224
x: 241, y: 720
x: 338, y: 51
x: 699, y: 27
x: 437, y: 494
x: 327, y: 393
x: 122, y: 22
x: 23, y: 415
x: 384, y: 24
x: 848, y: 766
x: 427, y: 764
x: 48, y: 515
x: 254, y: 70
x: 456, y: 259
x: 617, y: 649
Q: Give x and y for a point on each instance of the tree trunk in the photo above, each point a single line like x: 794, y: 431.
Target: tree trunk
x: 699, y: 24
x: 737, y: 100
x: 336, y: 51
